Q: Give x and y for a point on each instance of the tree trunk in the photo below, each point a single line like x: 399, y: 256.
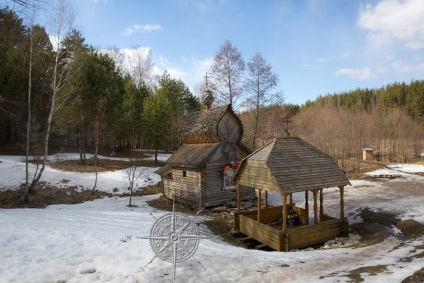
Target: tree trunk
x: 57, y: 80
x: 48, y: 128
x: 97, y: 126
x: 27, y: 191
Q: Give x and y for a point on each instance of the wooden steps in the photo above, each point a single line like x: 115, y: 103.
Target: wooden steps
x: 249, y: 242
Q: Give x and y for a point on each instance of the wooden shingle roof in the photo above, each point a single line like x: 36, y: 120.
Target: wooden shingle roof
x: 192, y: 155
x: 295, y: 165
x: 211, y: 126
x: 203, y: 123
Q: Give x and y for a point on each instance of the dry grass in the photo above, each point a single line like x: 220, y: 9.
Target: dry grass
x: 357, y: 170
x: 103, y: 165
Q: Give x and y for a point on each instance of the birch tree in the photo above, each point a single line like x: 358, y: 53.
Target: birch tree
x: 142, y: 72
x: 260, y: 83
x: 62, y: 19
x: 227, y: 74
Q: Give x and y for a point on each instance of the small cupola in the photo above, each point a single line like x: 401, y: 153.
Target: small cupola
x: 207, y: 97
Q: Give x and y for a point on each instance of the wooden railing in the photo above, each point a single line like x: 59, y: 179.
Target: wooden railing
x: 296, y: 237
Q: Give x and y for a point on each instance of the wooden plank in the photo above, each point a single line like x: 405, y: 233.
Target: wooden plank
x: 266, y: 199
x: 284, y: 213
x: 260, y: 247
x: 238, y: 198
x: 307, y: 207
x: 315, y: 206
x: 261, y: 232
x: 341, y: 202
x: 269, y: 215
x: 321, y: 203
x: 259, y: 204
x: 313, y: 234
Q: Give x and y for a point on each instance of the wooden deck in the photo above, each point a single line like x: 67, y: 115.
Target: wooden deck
x: 268, y: 231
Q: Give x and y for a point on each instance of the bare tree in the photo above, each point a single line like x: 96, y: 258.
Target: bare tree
x: 134, y: 172
x: 138, y: 63
x: 142, y: 72
x: 61, y: 25
x: 259, y: 84
x: 99, y: 115
x: 28, y: 130
x: 22, y: 5
x: 116, y: 55
x: 227, y: 74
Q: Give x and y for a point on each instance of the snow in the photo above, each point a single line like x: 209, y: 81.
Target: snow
x: 12, y: 174
x: 97, y: 241
x: 398, y: 170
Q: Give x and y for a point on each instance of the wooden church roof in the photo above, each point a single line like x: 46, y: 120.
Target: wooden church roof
x: 192, y: 155
x: 210, y: 135
x: 288, y: 165
x: 210, y: 126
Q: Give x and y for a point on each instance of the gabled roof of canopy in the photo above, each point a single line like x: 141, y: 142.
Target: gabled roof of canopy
x: 296, y: 165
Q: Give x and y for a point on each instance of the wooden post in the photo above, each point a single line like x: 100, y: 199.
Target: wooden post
x: 284, y: 213
x: 341, y: 202
x: 321, y: 205
x: 315, y: 193
x: 259, y: 204
x: 291, y: 200
x: 307, y: 206
x: 238, y: 198
x: 266, y: 199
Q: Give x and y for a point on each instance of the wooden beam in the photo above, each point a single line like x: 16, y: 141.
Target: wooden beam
x: 341, y: 202
x: 291, y: 200
x: 321, y: 204
x: 307, y: 206
x: 266, y: 199
x: 284, y: 213
x: 315, y: 193
x: 238, y: 198
x: 259, y: 204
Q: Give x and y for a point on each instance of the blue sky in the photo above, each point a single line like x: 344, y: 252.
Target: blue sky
x: 316, y: 47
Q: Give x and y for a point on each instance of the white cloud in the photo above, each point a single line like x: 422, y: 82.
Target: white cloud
x: 414, y: 67
x: 394, y: 20
x: 190, y: 71
x: 55, y: 41
x: 175, y: 72
x: 358, y: 74
x: 402, y: 67
x: 202, y: 65
x: 141, y: 28
x: 127, y: 58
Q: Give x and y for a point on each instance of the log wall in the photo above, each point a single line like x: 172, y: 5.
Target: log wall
x: 202, y: 188
x: 214, y: 195
x: 187, y: 189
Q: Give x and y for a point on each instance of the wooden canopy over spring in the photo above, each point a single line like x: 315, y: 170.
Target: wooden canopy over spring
x: 288, y: 165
